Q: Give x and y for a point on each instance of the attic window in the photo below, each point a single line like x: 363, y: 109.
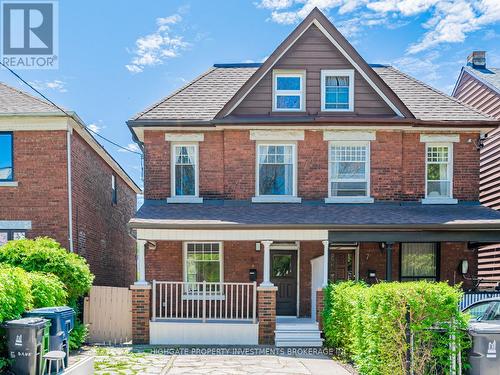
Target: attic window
x: 337, y: 90
x: 288, y: 91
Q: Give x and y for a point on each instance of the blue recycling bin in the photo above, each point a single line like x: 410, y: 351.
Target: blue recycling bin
x: 62, y: 320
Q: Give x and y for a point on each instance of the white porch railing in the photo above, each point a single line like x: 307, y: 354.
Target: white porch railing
x: 204, y: 301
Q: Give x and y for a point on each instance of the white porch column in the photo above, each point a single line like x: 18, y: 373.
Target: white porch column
x: 266, y: 277
x: 141, y: 264
x: 326, y: 244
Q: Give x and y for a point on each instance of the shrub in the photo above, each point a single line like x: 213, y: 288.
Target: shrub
x: 47, y: 290
x: 368, y: 325
x: 46, y: 255
x: 15, y: 292
x: 78, y: 335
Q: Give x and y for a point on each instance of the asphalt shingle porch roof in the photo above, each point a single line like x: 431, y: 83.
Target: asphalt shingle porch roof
x: 239, y: 214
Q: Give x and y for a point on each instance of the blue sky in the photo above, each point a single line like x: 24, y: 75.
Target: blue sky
x: 117, y: 57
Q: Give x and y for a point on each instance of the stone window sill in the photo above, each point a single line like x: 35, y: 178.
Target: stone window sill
x: 276, y: 199
x: 439, y: 201
x: 184, y: 200
x: 8, y: 184
x: 349, y: 200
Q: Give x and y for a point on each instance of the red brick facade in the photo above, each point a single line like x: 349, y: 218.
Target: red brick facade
x: 227, y: 166
x: 99, y: 227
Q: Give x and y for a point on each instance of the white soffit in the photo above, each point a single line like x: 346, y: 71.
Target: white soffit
x: 439, y: 138
x: 184, y: 137
x: 332, y: 135
x: 277, y: 135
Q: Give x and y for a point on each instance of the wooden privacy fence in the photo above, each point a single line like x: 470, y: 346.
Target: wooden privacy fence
x: 108, y: 313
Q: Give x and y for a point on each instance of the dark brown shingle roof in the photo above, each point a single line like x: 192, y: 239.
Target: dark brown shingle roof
x: 244, y: 213
x: 14, y: 101
x: 205, y: 96
x: 426, y: 102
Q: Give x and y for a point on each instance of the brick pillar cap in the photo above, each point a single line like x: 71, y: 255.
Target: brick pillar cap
x: 267, y: 288
x: 139, y: 287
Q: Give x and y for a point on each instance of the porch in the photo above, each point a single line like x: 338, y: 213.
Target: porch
x: 257, y: 273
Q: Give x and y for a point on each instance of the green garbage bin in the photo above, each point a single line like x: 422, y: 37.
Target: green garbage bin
x: 26, y: 344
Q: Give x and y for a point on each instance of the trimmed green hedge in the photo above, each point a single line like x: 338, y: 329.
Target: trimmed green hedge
x: 15, y: 292
x: 46, y: 255
x: 367, y: 324
x: 47, y: 290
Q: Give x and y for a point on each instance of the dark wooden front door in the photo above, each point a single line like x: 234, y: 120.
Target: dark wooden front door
x: 284, y: 276
x: 343, y: 266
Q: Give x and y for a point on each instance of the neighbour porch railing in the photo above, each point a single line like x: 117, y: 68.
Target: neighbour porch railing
x: 204, y: 301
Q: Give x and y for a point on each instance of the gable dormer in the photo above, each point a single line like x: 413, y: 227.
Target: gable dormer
x: 315, y: 72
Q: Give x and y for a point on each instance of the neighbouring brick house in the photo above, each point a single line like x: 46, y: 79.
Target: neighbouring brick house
x: 56, y: 180
x: 478, y: 85
x: 264, y: 181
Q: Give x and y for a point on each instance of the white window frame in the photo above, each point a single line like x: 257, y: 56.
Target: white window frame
x: 302, y: 92
x: 440, y: 200
x: 259, y: 198
x: 114, y: 191
x: 354, y: 199
x: 337, y: 72
x: 184, y: 198
x: 219, y: 296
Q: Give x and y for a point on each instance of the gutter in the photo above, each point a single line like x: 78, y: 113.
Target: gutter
x: 70, y: 190
x: 332, y: 227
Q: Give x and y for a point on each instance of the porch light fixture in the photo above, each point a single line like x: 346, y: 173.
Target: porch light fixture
x: 257, y: 246
x: 464, y: 266
x: 382, y: 246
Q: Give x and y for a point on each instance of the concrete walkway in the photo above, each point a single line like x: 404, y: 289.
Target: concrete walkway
x: 233, y: 361
x: 258, y: 365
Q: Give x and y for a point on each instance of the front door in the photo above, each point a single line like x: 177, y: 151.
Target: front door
x: 284, y: 276
x: 343, y: 266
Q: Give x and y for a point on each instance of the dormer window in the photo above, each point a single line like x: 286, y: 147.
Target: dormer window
x: 288, y: 90
x: 337, y: 90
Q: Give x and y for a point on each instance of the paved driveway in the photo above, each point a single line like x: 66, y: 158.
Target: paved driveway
x: 149, y: 361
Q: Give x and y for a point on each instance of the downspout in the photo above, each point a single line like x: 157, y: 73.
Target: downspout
x: 70, y: 188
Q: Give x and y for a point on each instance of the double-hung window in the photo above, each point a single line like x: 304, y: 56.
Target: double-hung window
x: 203, y: 261
x: 439, y: 172
x: 349, y: 171
x: 288, y: 91
x: 6, y: 157
x: 337, y: 90
x: 8, y: 235
x: 184, y: 171
x: 276, y: 172
x: 419, y: 261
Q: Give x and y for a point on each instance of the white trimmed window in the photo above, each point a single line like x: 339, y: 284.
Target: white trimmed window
x: 203, y: 261
x: 184, y: 171
x: 349, y: 172
x: 288, y: 91
x: 337, y: 90
x: 276, y: 175
x: 439, y: 173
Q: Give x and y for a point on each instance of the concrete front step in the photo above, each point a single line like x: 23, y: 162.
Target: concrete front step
x: 317, y: 343
x: 294, y: 332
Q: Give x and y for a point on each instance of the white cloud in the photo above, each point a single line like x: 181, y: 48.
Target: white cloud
x: 94, y: 127
x: 131, y: 147
x: 55, y: 85
x: 444, y: 21
x: 154, y: 49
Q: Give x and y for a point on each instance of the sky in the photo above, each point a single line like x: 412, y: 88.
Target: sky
x: 118, y: 57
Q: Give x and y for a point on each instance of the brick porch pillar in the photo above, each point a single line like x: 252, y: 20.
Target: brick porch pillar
x: 266, y: 310
x: 320, y: 304
x: 141, y: 313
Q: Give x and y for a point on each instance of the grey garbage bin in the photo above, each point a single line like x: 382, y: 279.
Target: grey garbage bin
x: 25, y: 343
x: 484, y: 356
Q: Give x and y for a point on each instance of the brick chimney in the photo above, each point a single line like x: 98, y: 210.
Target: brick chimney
x: 477, y: 59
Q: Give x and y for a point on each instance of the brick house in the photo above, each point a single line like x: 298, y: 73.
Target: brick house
x: 56, y: 180
x: 265, y: 181
x: 478, y: 85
